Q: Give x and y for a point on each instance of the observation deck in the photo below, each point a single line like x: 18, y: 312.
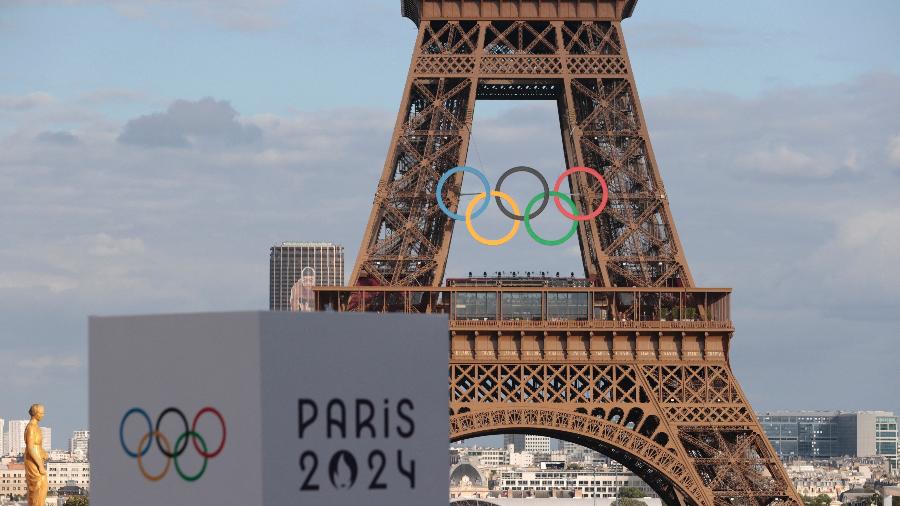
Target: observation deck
x: 556, y: 318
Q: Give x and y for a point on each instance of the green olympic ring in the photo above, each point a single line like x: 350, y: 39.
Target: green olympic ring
x: 533, y: 234
x: 205, y: 460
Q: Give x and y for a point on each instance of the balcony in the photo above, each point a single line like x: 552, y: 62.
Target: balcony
x: 543, y: 308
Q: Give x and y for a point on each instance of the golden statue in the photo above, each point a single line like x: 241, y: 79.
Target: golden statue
x: 35, y: 470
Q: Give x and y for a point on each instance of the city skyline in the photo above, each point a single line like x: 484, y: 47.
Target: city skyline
x: 793, y: 198
x: 46, y: 430
x: 578, y: 471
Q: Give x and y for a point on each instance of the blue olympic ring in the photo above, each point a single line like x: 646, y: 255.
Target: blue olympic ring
x: 446, y: 176
x: 122, y: 432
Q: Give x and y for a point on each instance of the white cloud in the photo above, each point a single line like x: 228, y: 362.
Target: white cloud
x: 239, y: 15
x: 894, y: 150
x: 26, y: 369
x: 105, y: 245
x: 863, y: 253
x: 130, y: 10
x: 788, y: 162
x: 681, y: 35
x: 108, y: 96
x: 19, y: 280
x: 25, y: 102
x: 43, y: 362
x: 812, y: 133
x: 851, y: 162
x: 784, y: 161
x: 104, y: 226
x: 878, y: 230
x: 59, y: 138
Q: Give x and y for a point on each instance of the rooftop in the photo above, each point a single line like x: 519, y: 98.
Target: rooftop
x: 549, y: 501
x: 294, y: 244
x: 809, y: 412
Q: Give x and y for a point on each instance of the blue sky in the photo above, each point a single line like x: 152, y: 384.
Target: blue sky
x: 774, y: 124
x: 311, y: 54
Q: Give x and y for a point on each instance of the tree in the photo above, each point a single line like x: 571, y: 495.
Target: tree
x: 77, y: 500
x: 628, y: 501
x: 631, y: 493
x: 819, y: 500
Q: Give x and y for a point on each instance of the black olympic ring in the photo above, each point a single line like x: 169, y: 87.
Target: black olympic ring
x: 178, y: 451
x: 544, y: 201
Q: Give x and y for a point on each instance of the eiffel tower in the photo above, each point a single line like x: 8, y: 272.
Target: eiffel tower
x: 632, y: 360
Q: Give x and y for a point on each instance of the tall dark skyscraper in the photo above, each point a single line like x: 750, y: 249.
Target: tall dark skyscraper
x: 517, y: 440
x: 295, y: 267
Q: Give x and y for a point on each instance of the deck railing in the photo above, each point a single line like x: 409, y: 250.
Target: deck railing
x: 541, y: 307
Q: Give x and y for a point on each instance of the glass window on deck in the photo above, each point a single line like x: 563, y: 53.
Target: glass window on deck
x: 475, y: 306
x: 567, y: 306
x: 521, y: 305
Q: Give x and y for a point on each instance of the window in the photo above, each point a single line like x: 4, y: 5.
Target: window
x: 567, y: 306
x: 475, y: 306
x: 886, y: 448
x: 521, y: 305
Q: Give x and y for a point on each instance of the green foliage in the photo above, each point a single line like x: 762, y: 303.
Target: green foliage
x: 77, y: 500
x: 631, y: 493
x: 819, y: 500
x: 627, y: 501
x: 872, y: 500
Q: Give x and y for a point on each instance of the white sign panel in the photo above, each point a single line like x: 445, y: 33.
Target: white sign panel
x: 252, y: 408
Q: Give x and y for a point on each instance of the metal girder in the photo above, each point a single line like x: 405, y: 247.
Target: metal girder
x: 658, y: 396
x: 581, y: 64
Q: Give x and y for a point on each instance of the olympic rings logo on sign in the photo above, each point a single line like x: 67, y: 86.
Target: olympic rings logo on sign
x: 527, y: 215
x: 163, y: 443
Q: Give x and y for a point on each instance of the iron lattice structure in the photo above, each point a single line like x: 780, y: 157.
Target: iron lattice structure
x: 652, y: 390
x: 571, y: 52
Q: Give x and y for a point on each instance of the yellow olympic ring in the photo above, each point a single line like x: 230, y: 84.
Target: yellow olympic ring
x: 471, y: 229
x: 165, y: 443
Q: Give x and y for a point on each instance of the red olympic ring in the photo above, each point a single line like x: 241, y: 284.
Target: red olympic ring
x: 603, y: 201
x: 214, y: 411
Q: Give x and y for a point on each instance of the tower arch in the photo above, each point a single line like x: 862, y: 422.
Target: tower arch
x: 658, y: 465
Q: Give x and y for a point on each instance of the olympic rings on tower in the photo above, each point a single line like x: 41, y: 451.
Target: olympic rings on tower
x: 491, y: 242
x: 446, y: 176
x: 535, y: 173
x: 163, y: 443
x: 544, y: 197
